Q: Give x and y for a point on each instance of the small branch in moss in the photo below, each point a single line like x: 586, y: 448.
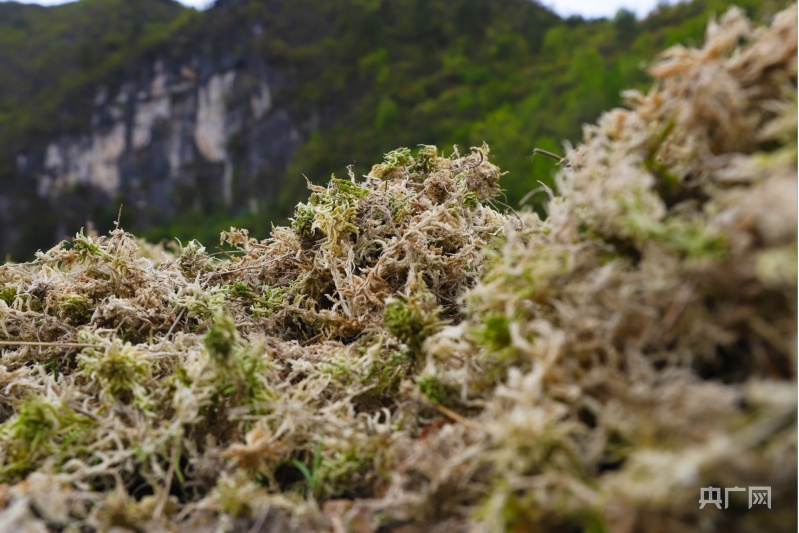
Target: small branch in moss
x: 547, y: 153
x: 47, y: 344
x: 171, y: 329
x: 119, y: 216
x: 164, y: 496
x: 452, y: 415
x: 83, y: 412
x: 492, y: 204
x: 241, y: 269
x: 312, y: 340
x: 482, y: 158
x: 220, y: 252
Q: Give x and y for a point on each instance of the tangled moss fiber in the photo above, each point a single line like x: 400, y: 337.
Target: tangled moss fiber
x: 405, y: 356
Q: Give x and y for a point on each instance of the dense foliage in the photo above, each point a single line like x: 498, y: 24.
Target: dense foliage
x: 507, y: 73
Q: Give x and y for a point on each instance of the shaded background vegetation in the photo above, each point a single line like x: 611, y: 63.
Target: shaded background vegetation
x: 383, y: 73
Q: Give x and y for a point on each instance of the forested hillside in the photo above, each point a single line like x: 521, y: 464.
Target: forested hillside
x: 354, y: 78
x: 51, y: 59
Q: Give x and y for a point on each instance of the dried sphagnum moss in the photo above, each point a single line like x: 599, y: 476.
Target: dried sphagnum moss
x: 404, y: 355
x: 166, y: 391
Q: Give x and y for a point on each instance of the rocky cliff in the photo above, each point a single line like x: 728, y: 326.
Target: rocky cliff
x: 194, y: 126
x: 169, y: 141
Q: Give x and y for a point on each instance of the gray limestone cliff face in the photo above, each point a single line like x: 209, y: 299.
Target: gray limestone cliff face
x: 198, y: 136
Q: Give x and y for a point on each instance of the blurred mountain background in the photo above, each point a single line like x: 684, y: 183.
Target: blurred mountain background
x: 197, y: 121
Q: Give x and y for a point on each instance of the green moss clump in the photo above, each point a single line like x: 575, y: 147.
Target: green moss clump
x: 332, y: 212
x: 437, y: 391
x: 76, y: 307
x: 118, y: 371
x: 8, y: 295
x: 194, y: 260
x: 495, y: 332
x: 221, y: 337
x: 426, y: 159
x: 411, y: 321
x: 272, y: 300
x: 86, y: 247
x: 40, y: 429
x: 382, y: 381
x: 470, y: 200
x: 303, y: 220
x: 347, y: 187
x: 394, y: 161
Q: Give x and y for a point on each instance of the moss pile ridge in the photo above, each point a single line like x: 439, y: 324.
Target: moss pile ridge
x: 648, y: 325
x: 157, y: 388
x: 414, y: 225
x: 404, y: 356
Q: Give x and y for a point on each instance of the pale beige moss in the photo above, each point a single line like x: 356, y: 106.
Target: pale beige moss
x: 227, y: 382
x: 406, y: 355
x: 638, y: 319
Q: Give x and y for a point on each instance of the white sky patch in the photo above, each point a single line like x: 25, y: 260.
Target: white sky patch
x: 605, y: 8
x: 564, y: 8
x: 199, y: 4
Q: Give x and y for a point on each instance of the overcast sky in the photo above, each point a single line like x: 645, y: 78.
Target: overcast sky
x: 586, y: 8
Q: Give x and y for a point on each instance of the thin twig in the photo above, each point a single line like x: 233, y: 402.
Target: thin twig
x: 678, y: 306
x: 449, y: 413
x: 47, y: 344
x: 531, y: 194
x: 170, y: 473
x: 482, y: 158
x: 547, y: 153
x: 85, y: 413
x: 222, y: 273
x: 221, y: 251
x: 253, y: 267
x: 310, y: 341
x: 171, y: 328
x: 258, y: 525
x: 119, y: 216
x: 492, y: 200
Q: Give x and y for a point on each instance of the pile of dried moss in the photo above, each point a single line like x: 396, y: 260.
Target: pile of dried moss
x: 407, y: 357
